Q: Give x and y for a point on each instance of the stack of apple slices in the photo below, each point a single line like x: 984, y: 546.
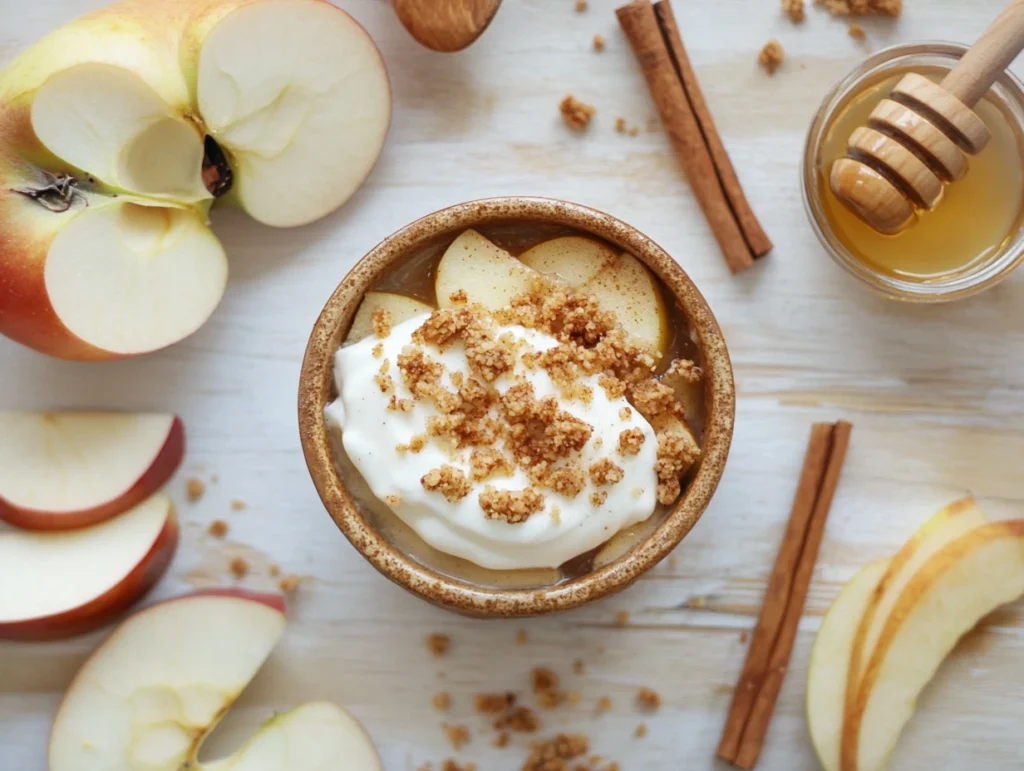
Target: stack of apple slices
x: 150, y: 694
x: 95, y: 535
x: 895, y: 622
x: 119, y: 130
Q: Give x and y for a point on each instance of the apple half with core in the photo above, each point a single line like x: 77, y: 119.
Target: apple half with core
x: 55, y: 585
x: 151, y: 693
x: 120, y: 130
x: 63, y: 470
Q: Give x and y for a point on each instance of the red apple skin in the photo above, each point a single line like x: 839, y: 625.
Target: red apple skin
x: 166, y: 462
x: 107, y: 606
x: 275, y: 601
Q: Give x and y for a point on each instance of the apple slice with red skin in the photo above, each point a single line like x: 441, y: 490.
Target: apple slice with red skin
x: 64, y: 470
x: 149, y: 695
x: 55, y: 585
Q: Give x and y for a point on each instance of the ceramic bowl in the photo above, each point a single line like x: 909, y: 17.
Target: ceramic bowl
x: 461, y: 594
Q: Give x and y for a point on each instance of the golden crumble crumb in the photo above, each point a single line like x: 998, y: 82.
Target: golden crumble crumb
x: 632, y: 131
x: 399, y: 405
x: 550, y: 755
x: 486, y: 462
x: 578, y: 667
x: 857, y: 32
x: 450, y: 481
x: 599, y: 42
x: 647, y: 699
x: 630, y: 441
x: 381, y: 320
x: 794, y: 9
x: 518, y: 719
x: 640, y: 731
x: 622, y: 618
x: 383, y: 379
x: 598, y: 443
x: 683, y: 370
x: 581, y: 6
x: 556, y: 515
x: 238, y: 505
x: 604, y: 704
x: 274, y: 569
x: 194, y: 489
x: 598, y: 498
x: 620, y: 125
x: 458, y: 735
x: 442, y: 701
x: 511, y: 506
x: 239, y: 567
x: 613, y: 387
x: 501, y: 740
x: 604, y: 472
x: 697, y: 603
x: 417, y: 443
x: 393, y: 500
x: 637, y: 492
x: 453, y: 765
x: 521, y: 637
x: 543, y: 679
x: 862, y: 7
x: 677, y: 451
x: 459, y: 297
x: 653, y: 398
x: 625, y: 413
x: 771, y: 56
x: 218, y: 528
x: 289, y: 584
x: 378, y: 350
x: 438, y: 644
x: 493, y: 703
x: 576, y: 114
x: 458, y: 379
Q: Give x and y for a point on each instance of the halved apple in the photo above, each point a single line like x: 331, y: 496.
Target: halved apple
x: 958, y: 586
x: 63, y: 470
x: 484, y: 271
x: 120, y: 129
x: 398, y: 306
x: 943, y: 527
x: 619, y: 281
x: 830, y: 663
x: 61, y: 584
x: 157, y: 686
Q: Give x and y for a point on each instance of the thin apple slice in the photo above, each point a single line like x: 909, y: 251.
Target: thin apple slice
x: 574, y: 259
x: 486, y: 273
x: 308, y: 738
x: 62, y: 584
x: 152, y: 692
x: 960, y: 585
x: 942, y: 528
x: 129, y: 279
x: 297, y: 93
x: 627, y: 289
x: 107, y: 121
x: 63, y: 470
x: 830, y: 662
x: 398, y: 306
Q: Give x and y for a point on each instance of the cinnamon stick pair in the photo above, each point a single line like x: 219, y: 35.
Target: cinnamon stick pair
x: 753, y: 701
x: 654, y: 36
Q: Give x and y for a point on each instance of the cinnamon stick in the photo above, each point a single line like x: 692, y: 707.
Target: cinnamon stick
x: 758, y: 689
x: 654, y: 36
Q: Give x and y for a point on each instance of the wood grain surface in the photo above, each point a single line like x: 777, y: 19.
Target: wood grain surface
x: 936, y: 395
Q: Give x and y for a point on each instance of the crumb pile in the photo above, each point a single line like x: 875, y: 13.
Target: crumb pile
x: 576, y: 114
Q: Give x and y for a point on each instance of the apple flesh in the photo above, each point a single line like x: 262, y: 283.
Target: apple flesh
x: 958, y: 586
x: 64, y: 470
x: 120, y: 129
x: 487, y: 273
x: 152, y: 692
x: 399, y: 307
x: 62, y: 584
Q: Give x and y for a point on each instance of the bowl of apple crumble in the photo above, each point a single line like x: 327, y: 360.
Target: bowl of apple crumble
x: 516, y: 405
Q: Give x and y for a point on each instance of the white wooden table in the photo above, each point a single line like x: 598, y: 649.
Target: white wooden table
x: 935, y: 395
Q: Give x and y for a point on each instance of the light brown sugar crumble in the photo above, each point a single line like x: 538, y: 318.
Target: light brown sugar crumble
x: 458, y: 735
x: 493, y: 703
x: 599, y: 42
x: 630, y: 441
x: 289, y: 584
x: 442, y: 701
x: 604, y: 704
x: 622, y: 618
x: 683, y: 370
x: 381, y: 320
x: 647, y: 699
x: 393, y: 500
x: 238, y: 505
x: 453, y: 765
x: 862, y: 7
x: 383, y: 379
x: 450, y: 481
x: 378, y: 350
x: 576, y: 114
x: 857, y: 32
x: 194, y: 489
x: 218, y: 528
x: 794, y: 9
x: 771, y: 56
x: 605, y: 472
x: 486, y: 462
x: 625, y: 413
x: 598, y: 498
x: 459, y: 297
x: 400, y: 405
x: 552, y: 754
x: 239, y: 567
x: 640, y: 731
x: 581, y: 6
x: 438, y: 644
x: 519, y: 719
x: 512, y: 506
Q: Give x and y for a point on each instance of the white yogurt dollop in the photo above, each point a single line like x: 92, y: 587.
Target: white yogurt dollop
x: 370, y: 434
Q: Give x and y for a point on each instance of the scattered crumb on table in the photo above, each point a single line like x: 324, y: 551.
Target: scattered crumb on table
x: 581, y: 6
x: 238, y: 504
x: 862, y: 7
x: 604, y: 704
x: 194, y: 489
x: 622, y: 618
x: 551, y: 754
x: 239, y: 567
x: 599, y: 42
x: 438, y: 644
x: 274, y: 569
x: 442, y: 701
x: 452, y: 765
x: 647, y: 699
x: 458, y: 735
x: 771, y: 56
x: 641, y: 731
x: 520, y: 719
x: 290, y: 583
x: 521, y: 637
x: 857, y: 32
x: 576, y: 114
x: 493, y: 703
x: 218, y: 528
x: 794, y: 9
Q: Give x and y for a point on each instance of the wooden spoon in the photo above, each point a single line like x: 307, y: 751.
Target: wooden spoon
x: 446, y: 25
x: 917, y: 141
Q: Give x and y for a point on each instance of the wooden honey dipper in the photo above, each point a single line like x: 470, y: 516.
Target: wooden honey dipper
x: 917, y: 140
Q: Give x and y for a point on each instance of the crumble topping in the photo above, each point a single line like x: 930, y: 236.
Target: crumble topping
x: 641, y: 731
x: 647, y: 699
x: 442, y: 701
x: 581, y: 6
x: 239, y: 567
x: 862, y: 7
x: 630, y: 441
x: 458, y: 735
x: 625, y: 413
x: 794, y: 9
x: 599, y: 43
x: 450, y: 481
x: 438, y: 644
x: 552, y: 754
x: 604, y: 472
x: 576, y: 114
x: 604, y: 704
x: 598, y: 498
x: 857, y: 32
x: 493, y: 703
x: 684, y: 371
x: 399, y: 405
x: 771, y: 56
x: 487, y: 462
x: 381, y: 320
x: 677, y: 451
x: 519, y: 720
x: 392, y: 500
x: 378, y: 350
x: 194, y: 489
x: 510, y: 505
x: 459, y: 296
x: 383, y: 379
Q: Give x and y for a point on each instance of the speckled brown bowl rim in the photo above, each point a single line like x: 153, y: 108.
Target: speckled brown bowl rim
x: 316, y: 383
